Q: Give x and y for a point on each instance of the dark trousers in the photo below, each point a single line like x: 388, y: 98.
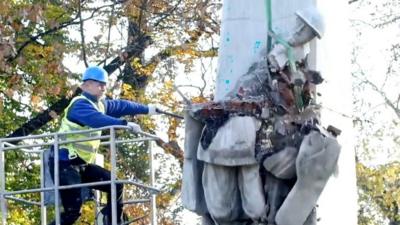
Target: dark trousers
x: 71, y: 172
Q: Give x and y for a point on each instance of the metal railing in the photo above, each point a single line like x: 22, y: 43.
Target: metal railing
x: 108, y: 139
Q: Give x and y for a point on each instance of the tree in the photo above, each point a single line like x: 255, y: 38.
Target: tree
x: 377, y: 110
x: 380, y: 187
x: 37, y: 37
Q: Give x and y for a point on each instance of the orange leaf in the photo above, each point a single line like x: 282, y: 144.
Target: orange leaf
x: 35, y: 99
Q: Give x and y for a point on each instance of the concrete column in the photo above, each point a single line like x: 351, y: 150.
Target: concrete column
x: 243, y: 35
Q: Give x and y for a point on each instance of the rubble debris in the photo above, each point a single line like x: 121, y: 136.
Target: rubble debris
x: 315, y: 163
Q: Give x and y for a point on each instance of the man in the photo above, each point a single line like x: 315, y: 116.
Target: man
x: 90, y: 110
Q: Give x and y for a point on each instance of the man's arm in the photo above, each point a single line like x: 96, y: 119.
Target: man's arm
x: 82, y: 112
x: 118, y: 108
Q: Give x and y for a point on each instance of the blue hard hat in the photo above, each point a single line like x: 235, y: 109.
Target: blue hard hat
x: 95, y: 73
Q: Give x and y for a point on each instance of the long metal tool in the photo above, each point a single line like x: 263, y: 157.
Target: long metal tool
x: 170, y: 114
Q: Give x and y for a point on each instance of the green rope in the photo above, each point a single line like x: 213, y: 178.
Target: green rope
x: 279, y: 39
x: 268, y: 14
x: 272, y: 35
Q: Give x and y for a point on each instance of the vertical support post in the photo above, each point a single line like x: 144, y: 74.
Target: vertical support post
x: 113, y: 177
x: 56, y: 179
x: 96, y: 207
x: 152, y: 182
x: 3, y: 185
x: 43, y: 214
x: 97, y: 194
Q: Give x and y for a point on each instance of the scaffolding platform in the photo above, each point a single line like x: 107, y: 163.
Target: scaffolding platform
x: 39, y: 145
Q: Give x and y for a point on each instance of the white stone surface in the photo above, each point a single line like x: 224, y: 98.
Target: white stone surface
x: 243, y: 35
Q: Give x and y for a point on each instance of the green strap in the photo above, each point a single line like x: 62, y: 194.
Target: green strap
x: 279, y: 39
x: 272, y: 35
x: 268, y: 14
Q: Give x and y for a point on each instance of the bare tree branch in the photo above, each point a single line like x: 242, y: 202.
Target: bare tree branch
x: 59, y: 27
x: 36, y: 37
x: 190, y: 86
x: 168, y: 52
x: 83, y: 49
x: 172, y: 148
x: 143, y: 8
x: 167, y: 14
x: 352, y: 1
x: 203, y: 74
x: 384, y: 96
x: 110, y: 22
x: 387, y: 22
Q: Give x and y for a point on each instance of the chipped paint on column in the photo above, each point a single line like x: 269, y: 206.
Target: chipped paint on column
x: 244, y: 34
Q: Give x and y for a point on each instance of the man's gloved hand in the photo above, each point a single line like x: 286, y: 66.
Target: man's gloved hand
x: 153, y: 110
x: 134, y: 127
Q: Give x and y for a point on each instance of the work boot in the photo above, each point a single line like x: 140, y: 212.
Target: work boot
x: 124, y: 218
x: 104, y: 219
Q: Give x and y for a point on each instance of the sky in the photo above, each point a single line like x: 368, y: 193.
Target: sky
x: 338, y: 203
x: 374, y: 57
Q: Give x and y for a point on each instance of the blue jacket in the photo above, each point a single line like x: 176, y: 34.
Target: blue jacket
x: 83, y: 113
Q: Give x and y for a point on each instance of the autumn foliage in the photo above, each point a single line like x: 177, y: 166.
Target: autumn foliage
x: 44, y: 46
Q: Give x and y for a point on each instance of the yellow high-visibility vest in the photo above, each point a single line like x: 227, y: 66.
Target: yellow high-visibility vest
x: 87, y: 149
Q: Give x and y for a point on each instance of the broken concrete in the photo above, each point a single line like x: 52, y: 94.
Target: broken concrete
x: 315, y: 163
